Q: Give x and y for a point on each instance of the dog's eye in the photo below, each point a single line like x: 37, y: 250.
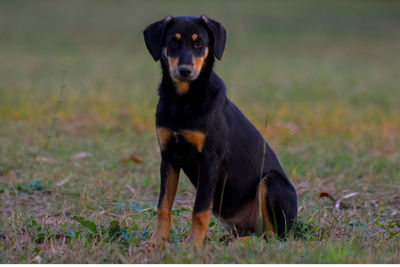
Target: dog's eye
x: 198, y: 44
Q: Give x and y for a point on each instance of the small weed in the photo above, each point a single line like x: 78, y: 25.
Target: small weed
x: 113, y: 233
x: 30, y: 187
x: 392, y: 228
x: 58, y: 104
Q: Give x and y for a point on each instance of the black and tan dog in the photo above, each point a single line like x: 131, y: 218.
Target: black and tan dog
x: 236, y: 174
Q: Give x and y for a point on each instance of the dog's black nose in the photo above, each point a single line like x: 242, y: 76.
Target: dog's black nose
x: 185, y: 70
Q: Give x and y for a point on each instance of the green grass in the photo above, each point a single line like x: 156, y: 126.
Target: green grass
x: 326, y: 73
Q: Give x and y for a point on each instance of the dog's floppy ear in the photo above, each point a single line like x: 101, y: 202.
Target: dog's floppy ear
x: 218, y: 34
x: 153, y: 36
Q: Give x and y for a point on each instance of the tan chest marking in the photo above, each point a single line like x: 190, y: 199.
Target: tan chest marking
x: 164, y: 135
x: 193, y: 137
x: 196, y: 138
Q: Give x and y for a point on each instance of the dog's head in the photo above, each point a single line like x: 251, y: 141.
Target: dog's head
x: 185, y: 43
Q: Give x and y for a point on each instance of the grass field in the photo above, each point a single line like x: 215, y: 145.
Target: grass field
x: 326, y: 74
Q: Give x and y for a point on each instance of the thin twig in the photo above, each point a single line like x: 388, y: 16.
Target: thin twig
x: 58, y: 104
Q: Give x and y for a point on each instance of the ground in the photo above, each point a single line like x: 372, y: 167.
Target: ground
x: 79, y: 157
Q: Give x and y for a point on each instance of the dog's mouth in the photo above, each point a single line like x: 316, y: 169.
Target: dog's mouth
x: 184, y: 77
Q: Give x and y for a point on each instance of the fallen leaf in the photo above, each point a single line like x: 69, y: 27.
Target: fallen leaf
x: 81, y: 155
x: 52, y: 247
x: 337, y: 204
x: 62, y: 182
x: 23, y: 238
x: 291, y: 126
x: 46, y: 159
x: 136, y: 159
x: 37, y: 258
x: 325, y: 194
x: 132, y: 157
x: 131, y: 189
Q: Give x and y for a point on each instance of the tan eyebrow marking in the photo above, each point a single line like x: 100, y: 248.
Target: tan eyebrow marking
x: 194, y: 36
x: 178, y: 36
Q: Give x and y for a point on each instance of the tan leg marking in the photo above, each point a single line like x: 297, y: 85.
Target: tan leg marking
x: 244, y: 238
x: 199, y: 227
x: 194, y: 36
x: 195, y: 138
x: 252, y: 217
x: 247, y: 219
x: 262, y: 198
x: 199, y: 61
x: 164, y: 135
x: 164, y: 211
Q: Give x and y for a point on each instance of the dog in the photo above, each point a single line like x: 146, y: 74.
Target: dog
x: 237, y: 176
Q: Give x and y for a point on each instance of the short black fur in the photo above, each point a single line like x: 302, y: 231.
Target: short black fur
x: 234, y: 158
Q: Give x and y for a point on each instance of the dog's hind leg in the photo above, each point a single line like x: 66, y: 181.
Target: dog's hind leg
x: 273, y: 209
x: 278, y: 201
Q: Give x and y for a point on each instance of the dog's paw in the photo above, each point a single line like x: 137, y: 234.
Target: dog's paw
x: 150, y: 244
x: 155, y: 242
x: 191, y: 241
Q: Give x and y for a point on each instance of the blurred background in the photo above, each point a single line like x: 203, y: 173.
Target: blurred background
x: 323, y: 75
x: 295, y: 54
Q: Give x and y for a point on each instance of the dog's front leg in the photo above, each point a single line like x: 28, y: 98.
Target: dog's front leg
x: 203, y: 202
x: 169, y: 184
